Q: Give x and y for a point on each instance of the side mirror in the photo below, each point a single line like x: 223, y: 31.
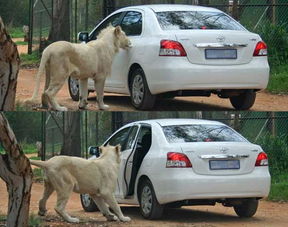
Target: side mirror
x: 83, y: 36
x: 94, y: 151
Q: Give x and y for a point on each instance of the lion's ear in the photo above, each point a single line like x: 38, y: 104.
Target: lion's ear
x: 117, y: 30
x: 118, y: 148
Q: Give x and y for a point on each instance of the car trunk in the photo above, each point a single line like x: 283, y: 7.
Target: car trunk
x: 218, y: 47
x: 221, y: 158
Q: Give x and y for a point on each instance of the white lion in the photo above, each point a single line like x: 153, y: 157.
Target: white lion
x: 81, y: 61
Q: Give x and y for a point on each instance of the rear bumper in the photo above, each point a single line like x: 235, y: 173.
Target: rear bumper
x: 184, y: 184
x: 177, y: 73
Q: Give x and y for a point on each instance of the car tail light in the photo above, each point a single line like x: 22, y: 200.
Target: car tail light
x: 177, y: 160
x: 262, y: 159
x: 172, y: 48
x: 260, y: 49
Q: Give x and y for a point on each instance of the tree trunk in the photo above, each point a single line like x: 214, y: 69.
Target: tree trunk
x: 72, y: 136
x: 9, y: 67
x: 145, y: 2
x: 203, y: 2
x: 60, y: 29
x: 16, y: 171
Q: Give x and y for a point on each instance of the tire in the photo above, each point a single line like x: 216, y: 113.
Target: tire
x: 247, y: 209
x: 244, y: 101
x: 73, y: 86
x: 149, y: 206
x: 87, y: 203
x: 174, y: 205
x: 141, y: 96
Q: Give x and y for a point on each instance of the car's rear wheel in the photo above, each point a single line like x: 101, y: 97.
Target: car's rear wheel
x: 247, y: 209
x: 73, y: 86
x: 87, y: 203
x: 149, y: 206
x: 141, y: 96
x: 243, y: 101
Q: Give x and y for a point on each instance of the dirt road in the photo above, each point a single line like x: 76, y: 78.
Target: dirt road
x: 264, y: 102
x: 268, y: 214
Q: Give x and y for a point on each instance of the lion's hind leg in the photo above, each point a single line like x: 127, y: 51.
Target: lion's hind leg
x: 48, y: 190
x: 49, y: 95
x: 111, y: 201
x: 64, y: 187
x: 104, y: 208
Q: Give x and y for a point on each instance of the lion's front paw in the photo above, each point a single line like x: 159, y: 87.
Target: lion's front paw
x: 126, y: 219
x: 73, y: 220
x: 104, y: 107
x: 112, y: 218
x: 42, y: 212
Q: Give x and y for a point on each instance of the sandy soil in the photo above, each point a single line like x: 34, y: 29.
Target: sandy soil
x: 264, y: 102
x: 268, y: 214
x: 22, y: 49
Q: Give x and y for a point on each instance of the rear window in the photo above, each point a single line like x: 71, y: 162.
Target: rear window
x: 201, y: 133
x: 185, y: 20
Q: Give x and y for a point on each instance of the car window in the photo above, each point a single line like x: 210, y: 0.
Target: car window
x: 119, y: 138
x: 132, y: 23
x: 145, y: 130
x: 131, y: 137
x: 184, y: 20
x: 114, y: 20
x: 201, y: 133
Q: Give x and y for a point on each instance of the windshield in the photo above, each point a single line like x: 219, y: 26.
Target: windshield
x: 201, y: 133
x: 184, y: 20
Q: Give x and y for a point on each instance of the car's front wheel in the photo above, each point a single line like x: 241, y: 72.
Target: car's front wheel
x: 141, y: 96
x: 87, y: 203
x: 247, y: 209
x: 73, y: 86
x: 243, y: 101
x: 149, y: 206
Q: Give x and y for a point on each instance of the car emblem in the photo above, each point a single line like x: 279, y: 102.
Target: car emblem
x: 221, y: 39
x: 224, y: 150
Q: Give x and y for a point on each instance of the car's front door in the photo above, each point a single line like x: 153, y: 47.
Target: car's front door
x: 126, y: 138
x: 131, y: 24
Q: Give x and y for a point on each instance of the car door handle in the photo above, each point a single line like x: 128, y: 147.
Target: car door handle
x: 223, y: 156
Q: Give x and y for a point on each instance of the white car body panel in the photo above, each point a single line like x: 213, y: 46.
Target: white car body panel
x: 198, y: 182
x: 166, y: 74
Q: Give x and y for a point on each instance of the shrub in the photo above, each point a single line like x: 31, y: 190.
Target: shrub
x: 276, y: 37
x: 277, y: 150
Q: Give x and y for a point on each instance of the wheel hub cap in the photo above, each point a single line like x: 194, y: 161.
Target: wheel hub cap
x: 146, y: 200
x: 74, y: 86
x: 138, y: 89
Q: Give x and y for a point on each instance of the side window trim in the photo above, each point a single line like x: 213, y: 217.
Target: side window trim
x: 129, y: 132
x: 105, y: 19
x: 142, y: 17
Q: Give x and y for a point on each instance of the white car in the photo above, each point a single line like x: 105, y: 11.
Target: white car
x: 183, y: 50
x: 177, y: 162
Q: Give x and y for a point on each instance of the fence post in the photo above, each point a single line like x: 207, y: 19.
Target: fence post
x: 31, y: 15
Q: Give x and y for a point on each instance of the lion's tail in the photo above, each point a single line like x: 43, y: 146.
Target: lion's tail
x: 41, y: 70
x: 41, y: 164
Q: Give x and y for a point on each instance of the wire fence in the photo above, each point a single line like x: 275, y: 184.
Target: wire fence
x: 268, y: 129
x: 97, y: 126
x: 84, y: 15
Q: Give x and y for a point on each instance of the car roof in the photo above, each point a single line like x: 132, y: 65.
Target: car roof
x: 171, y: 7
x: 178, y: 121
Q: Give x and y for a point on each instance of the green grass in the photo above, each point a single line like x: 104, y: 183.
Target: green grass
x: 279, y: 188
x: 35, y: 221
x: 21, y: 43
x: 30, y: 59
x: 3, y: 218
x: 28, y: 148
x: 38, y: 175
x: 35, y: 158
x: 16, y: 32
x: 279, y: 80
